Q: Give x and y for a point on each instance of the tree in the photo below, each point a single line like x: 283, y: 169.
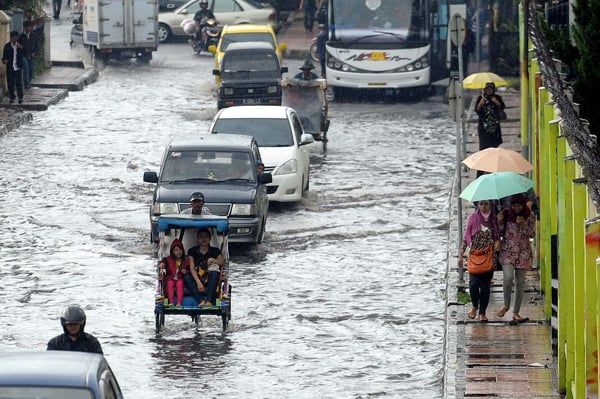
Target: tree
x: 31, y: 8
x: 586, y: 32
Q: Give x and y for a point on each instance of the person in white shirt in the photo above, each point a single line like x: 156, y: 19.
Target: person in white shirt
x: 12, y: 57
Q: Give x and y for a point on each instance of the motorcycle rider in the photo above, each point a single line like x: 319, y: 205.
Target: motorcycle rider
x: 74, y: 339
x: 203, y: 14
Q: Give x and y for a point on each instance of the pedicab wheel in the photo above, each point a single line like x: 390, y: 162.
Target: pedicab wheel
x: 225, y: 318
x: 159, y: 320
x: 227, y: 315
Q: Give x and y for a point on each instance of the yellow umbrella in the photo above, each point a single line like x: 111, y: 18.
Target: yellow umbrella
x: 496, y: 159
x: 479, y: 79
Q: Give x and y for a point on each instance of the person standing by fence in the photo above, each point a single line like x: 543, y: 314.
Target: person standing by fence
x: 12, y: 57
x: 29, y: 42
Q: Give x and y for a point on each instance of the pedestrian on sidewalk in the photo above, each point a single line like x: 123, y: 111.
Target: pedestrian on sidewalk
x: 12, y: 57
x: 481, y: 232
x: 321, y: 48
x: 517, y: 227
x: 56, y: 5
x: 487, y: 106
x: 310, y: 8
x: 29, y: 42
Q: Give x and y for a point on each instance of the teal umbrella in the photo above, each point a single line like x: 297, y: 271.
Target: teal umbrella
x: 495, y: 186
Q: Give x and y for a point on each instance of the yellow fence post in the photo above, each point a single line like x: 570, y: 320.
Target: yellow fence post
x: 592, y: 244
x: 579, y: 209
x: 565, y: 285
x: 542, y: 189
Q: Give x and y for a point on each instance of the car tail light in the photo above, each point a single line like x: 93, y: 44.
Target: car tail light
x: 272, y: 17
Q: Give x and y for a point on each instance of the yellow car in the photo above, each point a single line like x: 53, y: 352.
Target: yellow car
x: 245, y: 33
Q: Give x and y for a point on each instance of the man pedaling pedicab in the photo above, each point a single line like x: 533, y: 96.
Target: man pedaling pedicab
x: 306, y: 73
x: 200, y: 18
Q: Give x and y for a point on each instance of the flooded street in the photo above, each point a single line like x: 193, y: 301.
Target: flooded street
x: 343, y: 300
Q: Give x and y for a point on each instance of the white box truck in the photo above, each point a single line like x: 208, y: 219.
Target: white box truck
x: 120, y: 29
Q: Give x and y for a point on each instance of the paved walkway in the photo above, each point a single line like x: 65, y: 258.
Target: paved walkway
x: 293, y: 35
x: 496, y: 359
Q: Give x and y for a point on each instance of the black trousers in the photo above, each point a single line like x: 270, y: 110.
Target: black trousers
x: 56, y: 5
x: 14, y: 78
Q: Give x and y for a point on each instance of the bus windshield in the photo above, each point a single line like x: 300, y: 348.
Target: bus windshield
x: 379, y: 21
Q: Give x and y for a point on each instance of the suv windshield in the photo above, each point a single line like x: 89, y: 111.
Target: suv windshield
x: 226, y: 40
x: 250, y: 61
x: 267, y: 132
x: 207, y: 166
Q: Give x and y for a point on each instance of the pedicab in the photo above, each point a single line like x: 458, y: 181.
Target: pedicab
x: 184, y: 227
x: 308, y: 98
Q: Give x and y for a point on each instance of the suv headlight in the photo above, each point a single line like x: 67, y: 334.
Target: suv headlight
x: 243, y: 210
x: 272, y: 89
x: 228, y: 91
x: 161, y: 208
x: 288, y: 168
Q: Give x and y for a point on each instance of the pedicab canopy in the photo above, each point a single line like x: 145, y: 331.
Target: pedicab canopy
x: 178, y: 221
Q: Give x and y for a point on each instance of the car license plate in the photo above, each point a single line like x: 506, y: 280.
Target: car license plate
x: 250, y: 101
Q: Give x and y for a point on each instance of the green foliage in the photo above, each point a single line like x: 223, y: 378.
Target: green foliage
x: 463, y: 297
x: 31, y: 8
x: 586, y: 32
x: 560, y: 44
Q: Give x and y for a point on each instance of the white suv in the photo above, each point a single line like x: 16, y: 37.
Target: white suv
x: 282, y: 142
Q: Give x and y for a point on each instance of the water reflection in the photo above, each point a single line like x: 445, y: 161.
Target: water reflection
x: 201, y: 353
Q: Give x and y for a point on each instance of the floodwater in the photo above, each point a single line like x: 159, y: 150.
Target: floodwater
x: 345, y: 299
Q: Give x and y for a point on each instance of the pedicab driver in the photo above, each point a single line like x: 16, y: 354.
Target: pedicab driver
x: 197, y: 205
x: 74, y: 338
x: 306, y: 73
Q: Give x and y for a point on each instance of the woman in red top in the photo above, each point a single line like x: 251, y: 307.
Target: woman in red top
x: 177, y: 265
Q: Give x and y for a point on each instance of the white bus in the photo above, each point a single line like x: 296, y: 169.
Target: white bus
x: 397, y: 45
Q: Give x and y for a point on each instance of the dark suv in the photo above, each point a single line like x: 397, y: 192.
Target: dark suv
x: 250, y: 75
x: 223, y: 168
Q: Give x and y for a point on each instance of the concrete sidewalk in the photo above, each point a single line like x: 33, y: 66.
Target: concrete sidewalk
x: 292, y: 34
x: 53, y: 85
x: 496, y: 359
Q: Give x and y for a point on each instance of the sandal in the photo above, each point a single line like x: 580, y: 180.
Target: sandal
x: 517, y: 317
x: 483, y: 318
x: 502, y: 311
x: 472, y: 313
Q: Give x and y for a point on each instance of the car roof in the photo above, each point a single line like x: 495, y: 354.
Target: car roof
x: 250, y: 46
x: 254, y: 111
x: 210, y: 142
x: 246, y: 28
x: 50, y: 368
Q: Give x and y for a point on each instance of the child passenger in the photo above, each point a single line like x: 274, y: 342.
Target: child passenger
x: 177, y: 265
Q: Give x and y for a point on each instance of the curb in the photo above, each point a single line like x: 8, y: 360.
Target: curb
x: 297, y: 54
x: 76, y: 84
x: 70, y: 64
x: 13, y: 120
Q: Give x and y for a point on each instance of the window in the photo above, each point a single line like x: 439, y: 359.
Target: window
x: 268, y: 132
x: 246, y: 37
x: 226, y: 6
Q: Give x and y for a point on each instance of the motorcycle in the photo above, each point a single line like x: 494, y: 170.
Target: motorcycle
x: 203, y: 34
